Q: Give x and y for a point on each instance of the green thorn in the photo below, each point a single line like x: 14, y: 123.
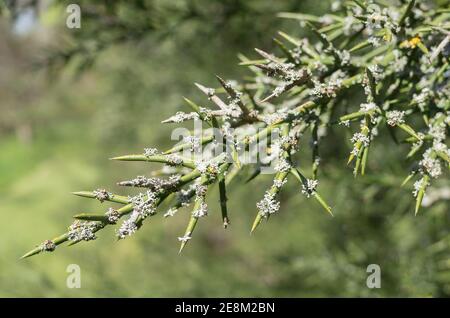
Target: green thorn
x: 350, y: 158
x: 91, y: 217
x: 129, y: 158
x: 359, y: 46
x: 360, y: 4
x: 34, y: 251
x: 323, y: 204
x: 407, y: 12
x: 84, y: 194
x: 72, y: 243
x: 256, y: 222
x: 352, y: 116
x: 408, y: 129
x: 406, y: 180
x: 421, y: 193
x: 364, y: 160
x: 287, y: 37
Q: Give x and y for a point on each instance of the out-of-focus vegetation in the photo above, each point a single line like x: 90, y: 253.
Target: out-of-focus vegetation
x: 70, y: 99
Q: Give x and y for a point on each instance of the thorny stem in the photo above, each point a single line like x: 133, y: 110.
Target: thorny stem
x: 304, y: 82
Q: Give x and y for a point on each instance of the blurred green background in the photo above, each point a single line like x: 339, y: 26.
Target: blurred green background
x: 70, y: 99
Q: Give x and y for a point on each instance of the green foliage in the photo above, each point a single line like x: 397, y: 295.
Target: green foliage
x: 300, y: 252
x: 313, y: 81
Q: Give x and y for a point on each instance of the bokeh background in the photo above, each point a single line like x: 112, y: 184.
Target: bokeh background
x: 70, y: 99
